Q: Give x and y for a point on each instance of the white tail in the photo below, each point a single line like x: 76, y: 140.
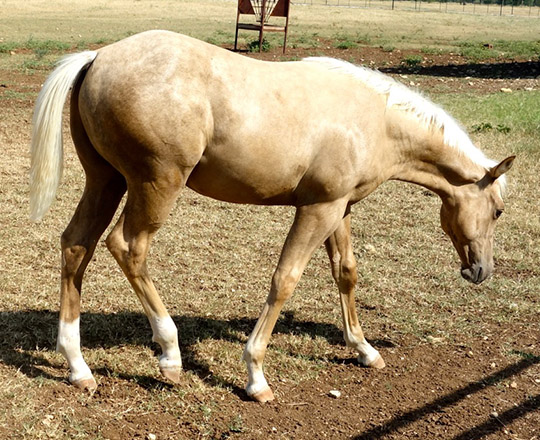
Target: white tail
x: 46, y: 148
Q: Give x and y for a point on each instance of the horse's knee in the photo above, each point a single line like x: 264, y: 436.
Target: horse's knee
x: 348, y: 273
x: 283, y: 285
x: 348, y: 267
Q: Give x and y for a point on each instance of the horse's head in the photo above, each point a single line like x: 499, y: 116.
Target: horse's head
x: 469, y: 215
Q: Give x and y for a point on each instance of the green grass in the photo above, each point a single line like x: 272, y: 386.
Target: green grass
x: 37, y: 63
x: 11, y: 94
x: 306, y: 40
x: 39, y: 47
x: 431, y: 50
x: 253, y: 45
x: 508, y: 49
x: 218, y: 37
x: 517, y: 111
x: 7, y: 47
x: 344, y: 45
x: 413, y: 60
x: 45, y: 46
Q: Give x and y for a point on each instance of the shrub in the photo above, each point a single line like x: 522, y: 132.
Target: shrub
x: 412, y: 60
x: 253, y: 46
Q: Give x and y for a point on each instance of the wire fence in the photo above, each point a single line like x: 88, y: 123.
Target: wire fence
x: 518, y: 8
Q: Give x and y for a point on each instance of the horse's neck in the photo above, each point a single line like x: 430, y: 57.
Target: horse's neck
x: 423, y: 158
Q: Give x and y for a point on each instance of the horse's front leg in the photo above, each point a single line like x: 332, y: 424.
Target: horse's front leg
x: 312, y: 225
x: 343, y: 263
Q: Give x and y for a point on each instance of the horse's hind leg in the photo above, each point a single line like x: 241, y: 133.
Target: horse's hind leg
x: 147, y: 207
x: 343, y: 264
x: 102, y: 194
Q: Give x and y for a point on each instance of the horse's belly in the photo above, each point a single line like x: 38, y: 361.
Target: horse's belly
x: 258, y: 185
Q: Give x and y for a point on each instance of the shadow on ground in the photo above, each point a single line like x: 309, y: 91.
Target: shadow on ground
x: 481, y: 430
x: 29, y: 331
x: 503, y: 70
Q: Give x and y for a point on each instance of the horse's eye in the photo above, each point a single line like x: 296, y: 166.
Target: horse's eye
x: 498, y: 213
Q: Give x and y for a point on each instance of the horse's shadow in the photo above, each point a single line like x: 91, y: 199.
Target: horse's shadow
x: 26, y: 332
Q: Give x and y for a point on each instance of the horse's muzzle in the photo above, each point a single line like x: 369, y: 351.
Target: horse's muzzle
x: 475, y: 274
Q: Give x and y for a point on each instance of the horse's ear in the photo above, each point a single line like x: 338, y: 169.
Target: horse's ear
x: 498, y: 170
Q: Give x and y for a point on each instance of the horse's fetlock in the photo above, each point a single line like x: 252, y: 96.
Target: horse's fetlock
x: 164, y: 332
x: 351, y: 340
x: 253, y: 355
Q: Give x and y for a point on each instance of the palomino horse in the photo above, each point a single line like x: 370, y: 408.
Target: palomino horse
x: 159, y: 111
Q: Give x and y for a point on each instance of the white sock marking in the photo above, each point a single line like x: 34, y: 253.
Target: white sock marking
x: 165, y: 334
x: 69, y: 344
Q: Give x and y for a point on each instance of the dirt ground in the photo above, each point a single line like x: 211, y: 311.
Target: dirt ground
x: 428, y: 390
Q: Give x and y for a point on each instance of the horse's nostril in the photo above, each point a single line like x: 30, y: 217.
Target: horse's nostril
x: 479, y: 275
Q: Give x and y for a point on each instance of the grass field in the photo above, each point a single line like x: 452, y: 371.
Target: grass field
x: 79, y: 23
x: 456, y: 353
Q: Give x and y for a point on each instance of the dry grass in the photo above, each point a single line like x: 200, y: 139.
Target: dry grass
x: 106, y: 21
x: 213, y: 262
x: 79, y: 23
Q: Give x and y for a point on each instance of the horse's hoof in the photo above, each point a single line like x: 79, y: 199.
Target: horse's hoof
x: 171, y: 374
x: 265, y: 395
x: 377, y: 363
x: 88, y: 384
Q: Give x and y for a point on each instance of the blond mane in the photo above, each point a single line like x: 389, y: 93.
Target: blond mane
x: 401, y: 97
